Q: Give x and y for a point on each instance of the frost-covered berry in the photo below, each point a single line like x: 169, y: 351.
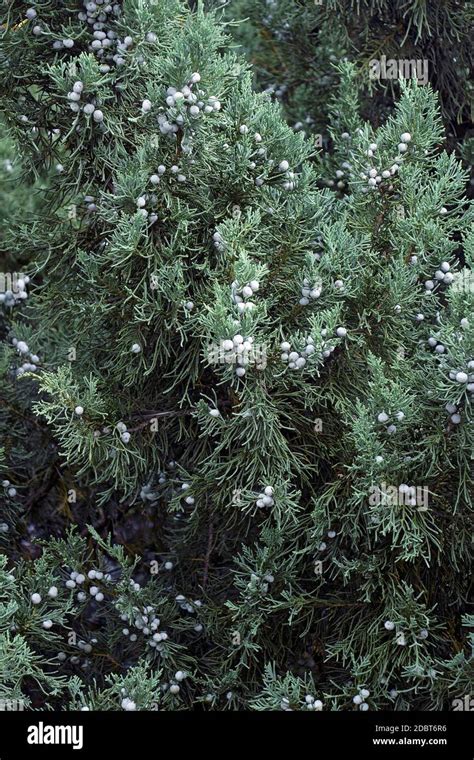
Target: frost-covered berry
x: 36, y: 598
x: 53, y: 592
x: 97, y: 115
x: 389, y: 625
x: 341, y: 332
x: 174, y: 688
x: 405, y: 137
x: 146, y: 105
x: 79, y: 410
x: 243, y: 129
x: 283, y: 166
x: 461, y: 377
x: 136, y: 348
x: 47, y: 624
x: 125, y: 437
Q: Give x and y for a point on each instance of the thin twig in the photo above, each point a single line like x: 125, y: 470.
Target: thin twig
x: 210, y: 536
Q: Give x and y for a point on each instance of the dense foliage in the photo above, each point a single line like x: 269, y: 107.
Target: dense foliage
x: 237, y: 428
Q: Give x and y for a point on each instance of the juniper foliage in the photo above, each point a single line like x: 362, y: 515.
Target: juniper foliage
x: 257, y: 395
x: 296, y: 47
